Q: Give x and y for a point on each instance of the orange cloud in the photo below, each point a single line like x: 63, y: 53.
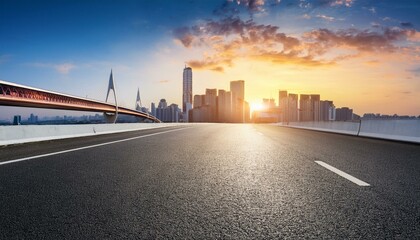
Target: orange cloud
x: 232, y: 38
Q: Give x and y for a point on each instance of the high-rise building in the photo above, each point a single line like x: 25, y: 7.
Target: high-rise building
x: 224, y: 106
x: 186, y: 88
x: 32, y: 119
x: 309, y: 107
x: 237, y: 89
x: 327, y: 111
x: 247, y: 112
x: 315, y: 101
x: 344, y: 114
x: 162, y: 103
x: 292, y: 106
x: 198, y: 101
x: 17, y: 120
x: 153, y: 109
x: 211, y: 102
x: 167, y: 113
x: 283, y: 105
x: 305, y: 111
x: 269, y: 103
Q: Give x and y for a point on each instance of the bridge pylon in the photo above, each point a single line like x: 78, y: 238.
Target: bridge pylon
x: 138, y: 101
x: 111, y: 117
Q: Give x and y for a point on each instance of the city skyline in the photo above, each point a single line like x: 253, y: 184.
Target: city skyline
x: 363, y: 54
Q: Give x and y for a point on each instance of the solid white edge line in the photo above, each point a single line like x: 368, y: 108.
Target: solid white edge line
x: 87, y: 147
x: 343, y: 174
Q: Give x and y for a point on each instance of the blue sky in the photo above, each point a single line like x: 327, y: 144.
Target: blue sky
x: 71, y: 46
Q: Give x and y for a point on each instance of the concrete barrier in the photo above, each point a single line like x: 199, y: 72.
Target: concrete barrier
x: 399, y: 130
x: 349, y: 128
x: 35, y: 133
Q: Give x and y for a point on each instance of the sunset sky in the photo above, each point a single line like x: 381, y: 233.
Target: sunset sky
x: 363, y: 54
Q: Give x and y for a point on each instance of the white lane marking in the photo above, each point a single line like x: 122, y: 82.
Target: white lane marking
x: 343, y: 174
x: 87, y: 147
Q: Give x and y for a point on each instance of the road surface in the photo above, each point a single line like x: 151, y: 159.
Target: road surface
x: 211, y: 181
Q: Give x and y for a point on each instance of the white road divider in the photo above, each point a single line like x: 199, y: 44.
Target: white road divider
x: 35, y: 133
x: 398, y: 130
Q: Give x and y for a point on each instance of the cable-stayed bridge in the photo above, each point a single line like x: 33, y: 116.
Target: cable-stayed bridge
x: 17, y: 95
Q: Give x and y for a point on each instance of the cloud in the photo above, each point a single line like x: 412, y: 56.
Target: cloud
x: 371, y: 9
x: 415, y: 71
x: 306, y: 16
x: 347, y: 3
x: 227, y: 40
x: 407, y: 25
x: 232, y: 38
x: 251, y: 5
x: 415, y: 36
x: 325, y: 17
x: 325, y: 3
x: 63, y: 68
x: 233, y: 7
x: 372, y: 63
x: 375, y: 25
x: 361, y: 40
x: 183, y: 34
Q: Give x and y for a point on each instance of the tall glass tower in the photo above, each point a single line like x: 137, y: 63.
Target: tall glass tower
x: 186, y: 89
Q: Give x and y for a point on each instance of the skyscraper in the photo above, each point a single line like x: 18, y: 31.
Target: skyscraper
x: 186, y: 89
x: 224, y: 106
x: 315, y: 101
x: 292, y: 102
x: 153, y: 109
x: 305, y: 111
x: 283, y: 104
x: 211, y: 102
x: 237, y: 89
x: 327, y: 110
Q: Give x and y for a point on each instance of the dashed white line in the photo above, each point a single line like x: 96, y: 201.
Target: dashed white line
x: 87, y: 147
x: 343, y: 174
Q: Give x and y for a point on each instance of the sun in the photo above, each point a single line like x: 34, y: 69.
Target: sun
x: 256, y: 106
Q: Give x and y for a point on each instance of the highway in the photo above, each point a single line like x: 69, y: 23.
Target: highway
x: 211, y: 181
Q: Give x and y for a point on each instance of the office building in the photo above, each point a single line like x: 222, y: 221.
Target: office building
x: 186, y: 88
x: 17, y: 120
x: 199, y: 100
x: 153, y: 109
x: 305, y: 111
x: 211, y: 102
x: 32, y: 119
x: 292, y: 108
x: 315, y: 107
x: 344, y: 114
x: 327, y: 111
x: 283, y: 105
x: 167, y: 113
x: 237, y: 89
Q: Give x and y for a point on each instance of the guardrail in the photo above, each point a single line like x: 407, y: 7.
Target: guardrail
x: 399, y: 130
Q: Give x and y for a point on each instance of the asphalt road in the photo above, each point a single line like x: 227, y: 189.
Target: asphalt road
x: 211, y: 181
